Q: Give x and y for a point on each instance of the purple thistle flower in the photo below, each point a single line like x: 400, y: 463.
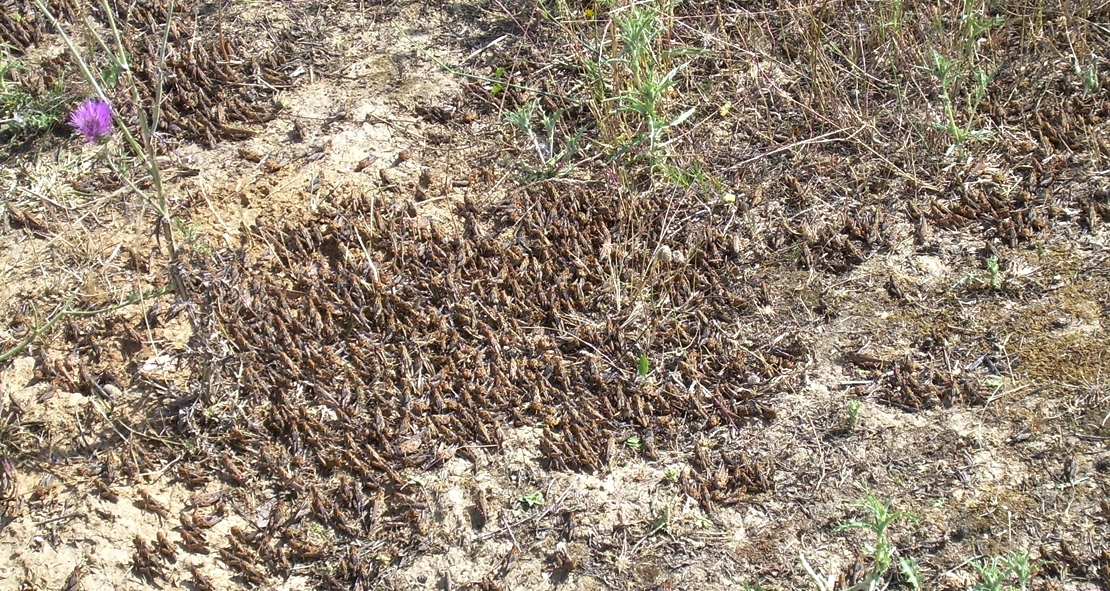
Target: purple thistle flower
x: 93, y: 119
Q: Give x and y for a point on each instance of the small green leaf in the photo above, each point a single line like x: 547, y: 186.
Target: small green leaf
x: 910, y: 573
x: 644, y: 366
x: 682, y: 117
x: 499, y: 76
x: 532, y: 500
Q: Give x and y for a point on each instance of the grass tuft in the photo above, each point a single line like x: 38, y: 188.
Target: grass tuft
x: 22, y: 114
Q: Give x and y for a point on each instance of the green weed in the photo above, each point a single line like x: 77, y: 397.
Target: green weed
x: 994, y: 276
x: 556, y: 153
x: 634, y: 443
x: 879, y: 515
x: 878, y: 519
x: 853, y: 414
x: 21, y: 114
x: 1090, y: 76
x: 950, y: 75
x: 995, y: 572
x: 499, y: 85
x: 693, y: 175
x: 962, y: 75
x: 633, y: 74
x: 991, y: 279
x: 1021, y: 568
x: 640, y: 76
x: 1012, y: 572
x: 992, y: 576
x: 911, y: 574
x: 531, y: 500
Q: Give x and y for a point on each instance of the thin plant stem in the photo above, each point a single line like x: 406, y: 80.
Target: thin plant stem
x: 67, y: 311
x: 145, y: 149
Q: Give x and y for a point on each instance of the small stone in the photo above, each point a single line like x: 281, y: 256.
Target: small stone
x: 112, y: 390
x: 664, y: 254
